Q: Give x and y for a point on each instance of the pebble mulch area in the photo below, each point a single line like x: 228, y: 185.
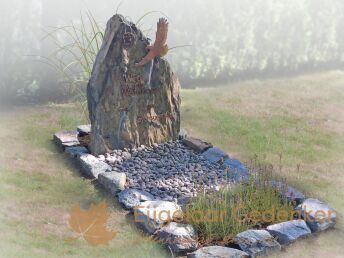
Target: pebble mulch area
x: 168, y: 171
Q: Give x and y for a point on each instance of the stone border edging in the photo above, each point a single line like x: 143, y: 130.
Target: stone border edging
x: 181, y: 238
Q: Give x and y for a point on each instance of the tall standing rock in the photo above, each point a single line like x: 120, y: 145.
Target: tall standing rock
x: 130, y: 105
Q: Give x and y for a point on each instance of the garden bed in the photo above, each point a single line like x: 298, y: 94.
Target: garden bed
x: 189, y: 195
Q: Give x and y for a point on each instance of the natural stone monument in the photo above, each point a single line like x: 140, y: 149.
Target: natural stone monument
x: 133, y: 95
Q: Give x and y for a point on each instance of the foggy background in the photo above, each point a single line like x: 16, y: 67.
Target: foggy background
x: 230, y: 40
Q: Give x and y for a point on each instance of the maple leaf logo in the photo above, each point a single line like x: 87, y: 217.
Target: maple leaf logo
x: 91, y: 224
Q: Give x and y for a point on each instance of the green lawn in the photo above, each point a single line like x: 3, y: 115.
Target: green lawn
x: 296, y: 124
x: 38, y: 187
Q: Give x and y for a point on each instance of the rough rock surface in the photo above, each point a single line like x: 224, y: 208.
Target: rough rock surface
x: 153, y: 215
x: 130, y: 105
x: 179, y: 237
x: 289, y: 231
x: 257, y: 242
x: 168, y: 171
x: 218, y: 252
x: 131, y: 198
x: 112, y: 181
x: 91, y: 166
x: 319, y: 216
x: 66, y: 139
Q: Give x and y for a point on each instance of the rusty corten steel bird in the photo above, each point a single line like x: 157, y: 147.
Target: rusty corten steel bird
x: 159, y: 48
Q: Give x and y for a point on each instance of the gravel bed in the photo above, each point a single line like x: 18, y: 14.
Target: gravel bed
x: 168, y: 171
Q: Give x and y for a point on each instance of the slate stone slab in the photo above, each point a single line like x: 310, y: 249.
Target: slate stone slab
x: 257, y: 242
x: 236, y: 170
x: 235, y: 164
x: 318, y: 215
x: 91, y: 166
x: 218, y: 252
x: 214, y: 155
x: 76, y: 151
x: 153, y: 215
x: 289, y: 231
x: 114, y: 182
x: 197, y: 144
x: 66, y: 139
x: 84, y: 130
x: 131, y: 198
x: 289, y: 192
x: 179, y: 237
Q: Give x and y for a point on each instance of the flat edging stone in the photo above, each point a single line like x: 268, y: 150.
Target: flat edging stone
x: 289, y: 231
x: 114, y: 182
x: 131, y: 198
x: 76, y: 151
x: 257, y: 242
x: 91, y: 166
x: 181, y: 238
x: 153, y: 215
x: 214, y: 155
x: 66, y: 139
x: 218, y: 252
x: 318, y: 215
x: 197, y: 145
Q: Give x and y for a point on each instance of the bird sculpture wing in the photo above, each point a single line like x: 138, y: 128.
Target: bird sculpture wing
x: 159, y: 45
x: 161, y: 34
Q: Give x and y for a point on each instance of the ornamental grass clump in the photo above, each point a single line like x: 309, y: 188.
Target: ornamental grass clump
x: 254, y: 203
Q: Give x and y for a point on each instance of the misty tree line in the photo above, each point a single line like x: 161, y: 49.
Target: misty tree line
x: 229, y: 40
x: 261, y: 38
